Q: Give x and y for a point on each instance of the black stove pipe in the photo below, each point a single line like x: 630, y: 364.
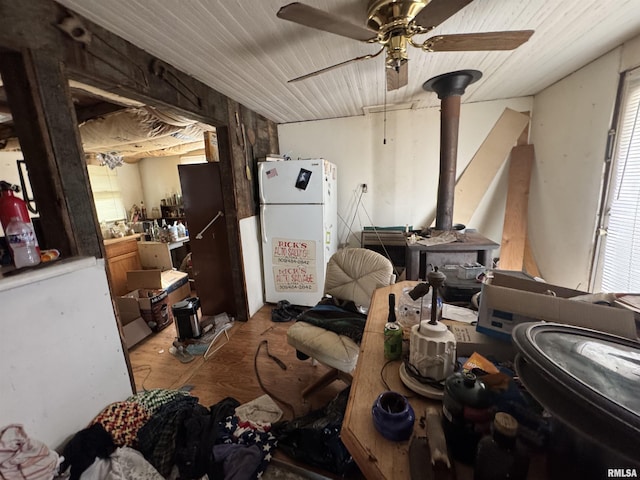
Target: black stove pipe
x: 449, y: 87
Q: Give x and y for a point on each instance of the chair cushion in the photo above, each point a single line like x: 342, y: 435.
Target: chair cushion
x: 354, y: 273
x: 329, y: 348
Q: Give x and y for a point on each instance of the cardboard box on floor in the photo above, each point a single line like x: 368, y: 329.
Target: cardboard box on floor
x: 514, y: 297
x: 134, y: 328
x: 152, y: 294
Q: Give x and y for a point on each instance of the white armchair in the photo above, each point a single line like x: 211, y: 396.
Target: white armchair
x: 353, y: 274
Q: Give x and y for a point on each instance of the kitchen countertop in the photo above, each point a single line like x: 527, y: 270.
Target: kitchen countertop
x: 110, y: 241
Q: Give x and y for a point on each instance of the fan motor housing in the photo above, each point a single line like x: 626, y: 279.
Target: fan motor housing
x: 383, y: 12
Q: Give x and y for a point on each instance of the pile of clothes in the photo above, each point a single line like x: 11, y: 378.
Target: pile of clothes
x: 161, y: 433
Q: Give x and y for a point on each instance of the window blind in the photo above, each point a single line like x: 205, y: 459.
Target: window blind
x: 621, y: 266
x: 106, y: 193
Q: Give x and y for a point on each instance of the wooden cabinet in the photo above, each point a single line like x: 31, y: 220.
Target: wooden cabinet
x: 121, y: 256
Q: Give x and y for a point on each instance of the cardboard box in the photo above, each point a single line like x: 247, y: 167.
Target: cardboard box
x: 469, y: 340
x: 152, y: 305
x: 168, y: 280
x: 513, y: 297
x: 135, y: 331
x: 154, y: 292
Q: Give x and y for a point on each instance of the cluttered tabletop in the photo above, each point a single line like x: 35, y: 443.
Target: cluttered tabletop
x: 437, y: 396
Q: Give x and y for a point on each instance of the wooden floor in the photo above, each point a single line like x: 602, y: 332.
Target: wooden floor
x: 230, y: 371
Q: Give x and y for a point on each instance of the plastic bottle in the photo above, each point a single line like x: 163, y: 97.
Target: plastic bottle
x: 182, y: 230
x: 22, y: 241
x: 143, y: 211
x: 499, y: 455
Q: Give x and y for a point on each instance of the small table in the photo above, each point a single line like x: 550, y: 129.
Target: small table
x: 377, y: 457
x: 472, y: 247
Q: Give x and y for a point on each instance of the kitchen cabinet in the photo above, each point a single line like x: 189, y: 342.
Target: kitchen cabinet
x: 121, y: 255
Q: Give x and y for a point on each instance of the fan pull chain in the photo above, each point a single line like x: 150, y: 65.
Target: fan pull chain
x: 384, y: 121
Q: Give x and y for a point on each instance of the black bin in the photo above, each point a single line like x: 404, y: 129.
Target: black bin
x: 187, y: 318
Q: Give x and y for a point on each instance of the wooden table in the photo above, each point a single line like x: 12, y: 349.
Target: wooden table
x: 472, y: 247
x: 376, y: 456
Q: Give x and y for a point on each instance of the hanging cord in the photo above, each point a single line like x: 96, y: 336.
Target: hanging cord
x: 384, y: 121
x: 355, y: 212
x: 280, y: 364
x: 386, y: 252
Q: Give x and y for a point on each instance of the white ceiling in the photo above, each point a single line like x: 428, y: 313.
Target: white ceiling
x: 241, y: 49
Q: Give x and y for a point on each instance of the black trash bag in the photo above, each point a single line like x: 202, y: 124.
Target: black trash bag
x: 315, y: 438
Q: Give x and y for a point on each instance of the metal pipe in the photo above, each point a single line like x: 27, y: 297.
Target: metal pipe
x: 449, y: 87
x: 450, y: 122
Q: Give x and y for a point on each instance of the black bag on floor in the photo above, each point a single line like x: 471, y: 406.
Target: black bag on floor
x: 315, y: 438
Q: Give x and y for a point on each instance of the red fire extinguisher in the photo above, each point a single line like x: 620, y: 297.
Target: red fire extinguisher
x: 12, y: 206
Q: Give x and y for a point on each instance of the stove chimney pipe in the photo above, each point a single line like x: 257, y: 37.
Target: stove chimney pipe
x: 449, y: 87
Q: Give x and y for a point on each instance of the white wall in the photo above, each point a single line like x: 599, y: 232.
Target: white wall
x: 130, y: 185
x: 569, y: 131
x: 159, y: 178
x: 401, y: 175
x: 61, y: 360
x: 250, y: 239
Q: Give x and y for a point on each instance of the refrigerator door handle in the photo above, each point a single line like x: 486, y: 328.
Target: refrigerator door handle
x: 262, y: 225
x: 260, y: 186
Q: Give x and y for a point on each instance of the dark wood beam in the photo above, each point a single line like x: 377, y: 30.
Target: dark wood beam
x: 46, y: 124
x: 227, y: 170
x: 98, y: 110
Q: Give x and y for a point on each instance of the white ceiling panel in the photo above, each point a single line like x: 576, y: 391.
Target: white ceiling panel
x: 241, y: 49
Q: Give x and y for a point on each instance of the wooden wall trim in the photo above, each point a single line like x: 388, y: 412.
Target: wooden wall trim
x: 44, y: 118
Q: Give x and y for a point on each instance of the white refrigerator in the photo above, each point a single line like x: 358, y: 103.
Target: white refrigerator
x: 299, y: 224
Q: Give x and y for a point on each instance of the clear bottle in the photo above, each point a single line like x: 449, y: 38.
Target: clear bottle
x: 499, y: 455
x: 23, y: 243
x: 143, y: 211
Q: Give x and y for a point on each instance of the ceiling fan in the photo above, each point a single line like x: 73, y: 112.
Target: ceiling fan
x: 393, y: 24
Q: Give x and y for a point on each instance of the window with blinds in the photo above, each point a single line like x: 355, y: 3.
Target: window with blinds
x: 621, y: 262
x: 106, y: 193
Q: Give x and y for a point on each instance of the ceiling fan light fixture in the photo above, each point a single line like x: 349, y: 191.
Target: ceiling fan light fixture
x: 382, y: 12
x: 397, y: 51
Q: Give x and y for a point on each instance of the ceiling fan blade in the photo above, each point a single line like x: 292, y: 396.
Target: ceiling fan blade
x: 312, y: 17
x: 437, y: 11
x: 326, y: 69
x: 397, y: 78
x: 476, y: 42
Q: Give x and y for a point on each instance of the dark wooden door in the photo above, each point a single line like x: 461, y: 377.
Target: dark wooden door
x: 202, y: 198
